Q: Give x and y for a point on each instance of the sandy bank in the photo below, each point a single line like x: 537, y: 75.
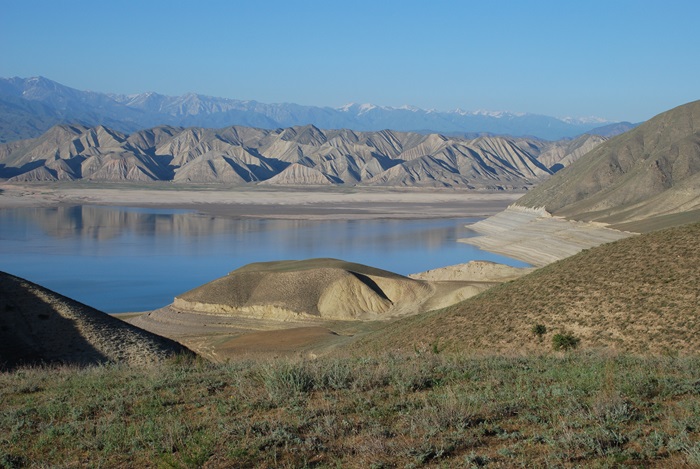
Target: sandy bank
x: 474, y: 271
x: 536, y: 237
x: 253, y: 201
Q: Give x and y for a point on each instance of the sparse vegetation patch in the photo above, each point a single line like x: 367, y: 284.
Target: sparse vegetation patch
x: 391, y: 410
x: 638, y: 295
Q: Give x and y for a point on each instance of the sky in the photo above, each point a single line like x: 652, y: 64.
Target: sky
x: 622, y: 60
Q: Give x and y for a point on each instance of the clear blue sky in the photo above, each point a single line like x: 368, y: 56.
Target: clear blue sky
x: 622, y: 60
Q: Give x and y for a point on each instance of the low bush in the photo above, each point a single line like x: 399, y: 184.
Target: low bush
x: 565, y: 341
x: 539, y: 330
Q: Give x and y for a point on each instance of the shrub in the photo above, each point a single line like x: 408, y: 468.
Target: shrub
x: 565, y: 341
x: 539, y: 330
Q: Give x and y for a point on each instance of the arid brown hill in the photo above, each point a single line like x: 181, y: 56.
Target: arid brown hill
x: 640, y: 294
x: 645, y: 179
x: 40, y: 326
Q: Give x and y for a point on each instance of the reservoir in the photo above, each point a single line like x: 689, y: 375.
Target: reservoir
x: 120, y: 259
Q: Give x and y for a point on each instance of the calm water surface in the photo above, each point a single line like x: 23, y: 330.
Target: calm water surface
x: 129, y: 259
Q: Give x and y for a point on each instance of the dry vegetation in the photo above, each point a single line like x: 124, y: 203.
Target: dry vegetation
x: 412, y: 410
x: 640, y: 295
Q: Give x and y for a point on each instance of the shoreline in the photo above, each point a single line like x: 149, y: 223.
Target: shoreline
x: 529, y: 235
x: 281, y: 203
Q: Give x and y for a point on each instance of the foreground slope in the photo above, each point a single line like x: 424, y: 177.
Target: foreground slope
x: 645, y: 179
x: 387, y: 410
x: 41, y: 326
x: 638, y: 294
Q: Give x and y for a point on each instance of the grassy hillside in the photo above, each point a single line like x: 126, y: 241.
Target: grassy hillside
x: 648, y: 173
x: 412, y: 410
x: 640, y: 294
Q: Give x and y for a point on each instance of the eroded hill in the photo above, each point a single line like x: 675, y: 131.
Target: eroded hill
x: 291, y: 156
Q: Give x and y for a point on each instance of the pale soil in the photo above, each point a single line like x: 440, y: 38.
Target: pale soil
x: 219, y: 337
x: 474, y: 271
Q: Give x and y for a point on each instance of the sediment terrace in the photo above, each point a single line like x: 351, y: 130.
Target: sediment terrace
x: 537, y: 237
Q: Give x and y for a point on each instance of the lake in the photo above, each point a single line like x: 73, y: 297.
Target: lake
x: 119, y: 259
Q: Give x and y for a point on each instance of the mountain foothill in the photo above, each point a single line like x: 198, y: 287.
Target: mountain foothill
x: 643, y: 180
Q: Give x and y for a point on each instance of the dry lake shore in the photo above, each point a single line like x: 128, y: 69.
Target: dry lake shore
x: 253, y: 201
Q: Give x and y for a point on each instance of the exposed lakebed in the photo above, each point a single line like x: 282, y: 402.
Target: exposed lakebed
x: 133, y: 259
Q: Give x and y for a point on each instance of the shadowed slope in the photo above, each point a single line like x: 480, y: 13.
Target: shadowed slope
x: 639, y: 294
x: 41, y: 326
x: 649, y: 172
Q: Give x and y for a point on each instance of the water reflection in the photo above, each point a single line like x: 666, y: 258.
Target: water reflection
x: 125, y: 259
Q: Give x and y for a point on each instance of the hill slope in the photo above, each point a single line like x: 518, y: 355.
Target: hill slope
x: 638, y: 294
x: 41, y: 326
x: 644, y: 179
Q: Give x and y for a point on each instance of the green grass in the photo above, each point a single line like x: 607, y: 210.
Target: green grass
x: 411, y: 410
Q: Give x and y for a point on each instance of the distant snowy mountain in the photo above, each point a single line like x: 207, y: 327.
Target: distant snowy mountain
x: 30, y: 106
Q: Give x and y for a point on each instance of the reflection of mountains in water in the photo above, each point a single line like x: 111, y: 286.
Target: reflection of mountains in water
x: 103, y: 223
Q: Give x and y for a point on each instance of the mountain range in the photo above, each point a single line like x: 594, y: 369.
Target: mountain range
x: 303, y: 155
x: 30, y: 106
